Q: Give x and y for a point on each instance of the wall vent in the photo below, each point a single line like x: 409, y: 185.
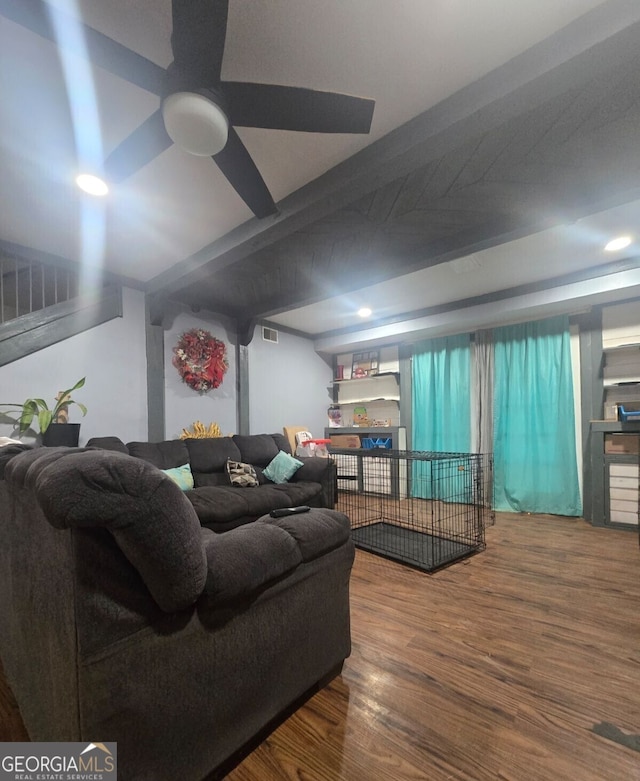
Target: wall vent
x: 269, y: 334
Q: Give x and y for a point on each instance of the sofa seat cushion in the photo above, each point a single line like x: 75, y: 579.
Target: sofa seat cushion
x: 224, y: 504
x: 296, y: 493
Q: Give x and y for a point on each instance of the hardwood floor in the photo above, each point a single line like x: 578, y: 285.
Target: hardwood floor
x: 498, y: 667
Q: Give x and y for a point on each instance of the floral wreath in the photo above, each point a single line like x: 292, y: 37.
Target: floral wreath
x: 201, y: 360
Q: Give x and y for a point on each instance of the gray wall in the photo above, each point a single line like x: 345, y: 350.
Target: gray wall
x: 183, y: 406
x: 288, y: 385
x: 113, y: 359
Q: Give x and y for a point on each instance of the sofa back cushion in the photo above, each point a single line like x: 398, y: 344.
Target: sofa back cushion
x: 108, y: 443
x: 260, y: 449
x: 282, y: 443
x: 164, y: 455
x: 211, y: 455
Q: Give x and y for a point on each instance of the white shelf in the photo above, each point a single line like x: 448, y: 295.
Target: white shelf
x: 622, y: 382
x: 626, y: 346
x: 622, y: 368
x: 370, y: 378
x: 365, y: 390
x: 366, y: 400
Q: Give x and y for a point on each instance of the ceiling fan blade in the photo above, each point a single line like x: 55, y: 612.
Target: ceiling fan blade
x: 43, y: 19
x: 236, y: 164
x: 146, y: 142
x: 296, y: 108
x: 197, y: 41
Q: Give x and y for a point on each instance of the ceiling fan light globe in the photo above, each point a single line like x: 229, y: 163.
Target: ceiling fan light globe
x: 195, y: 123
x: 92, y: 184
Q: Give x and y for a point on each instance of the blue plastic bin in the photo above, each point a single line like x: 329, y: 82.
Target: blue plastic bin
x: 628, y: 414
x: 370, y: 442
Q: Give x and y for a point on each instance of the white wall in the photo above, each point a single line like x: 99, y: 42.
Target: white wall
x: 112, y: 357
x: 184, y: 406
x: 288, y: 385
x: 621, y: 324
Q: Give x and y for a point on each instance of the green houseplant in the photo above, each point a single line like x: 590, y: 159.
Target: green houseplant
x: 57, y: 416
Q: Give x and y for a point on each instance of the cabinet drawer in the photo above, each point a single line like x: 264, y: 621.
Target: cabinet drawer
x: 628, y: 483
x: 626, y: 507
x: 624, y: 494
x: 624, y: 470
x: 619, y: 516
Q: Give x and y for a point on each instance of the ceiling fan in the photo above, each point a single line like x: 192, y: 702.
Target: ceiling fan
x: 199, y: 111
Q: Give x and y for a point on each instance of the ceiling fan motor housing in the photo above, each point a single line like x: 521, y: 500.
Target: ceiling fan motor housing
x: 196, y: 121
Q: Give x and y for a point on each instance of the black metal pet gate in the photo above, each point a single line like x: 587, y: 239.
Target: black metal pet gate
x: 423, y: 509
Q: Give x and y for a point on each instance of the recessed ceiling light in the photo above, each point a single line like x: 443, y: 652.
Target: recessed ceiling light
x: 364, y: 312
x: 619, y: 243
x: 92, y: 184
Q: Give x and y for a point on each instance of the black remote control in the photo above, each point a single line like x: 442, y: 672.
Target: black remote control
x: 283, y: 511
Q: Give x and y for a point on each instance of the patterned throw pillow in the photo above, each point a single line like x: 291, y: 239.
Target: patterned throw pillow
x: 182, y: 476
x: 243, y: 475
x: 282, y: 467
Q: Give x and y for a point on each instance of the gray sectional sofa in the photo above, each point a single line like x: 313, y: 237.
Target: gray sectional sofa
x: 221, y: 506
x: 123, y: 619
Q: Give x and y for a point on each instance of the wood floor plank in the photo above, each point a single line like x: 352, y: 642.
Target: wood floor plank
x: 497, y: 667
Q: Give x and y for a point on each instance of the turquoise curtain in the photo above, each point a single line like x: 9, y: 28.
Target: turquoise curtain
x: 534, y: 426
x: 441, y: 417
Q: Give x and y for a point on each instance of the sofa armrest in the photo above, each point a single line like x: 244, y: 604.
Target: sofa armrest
x: 323, y: 471
x: 150, y: 518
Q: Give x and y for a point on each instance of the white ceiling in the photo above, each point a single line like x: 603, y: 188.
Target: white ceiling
x: 407, y: 55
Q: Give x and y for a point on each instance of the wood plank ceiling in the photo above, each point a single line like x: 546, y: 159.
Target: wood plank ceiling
x: 555, y: 148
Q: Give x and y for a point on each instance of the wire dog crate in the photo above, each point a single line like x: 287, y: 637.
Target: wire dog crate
x: 426, y: 510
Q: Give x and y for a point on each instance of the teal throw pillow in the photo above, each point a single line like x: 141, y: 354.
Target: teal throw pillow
x: 182, y: 476
x: 282, y: 467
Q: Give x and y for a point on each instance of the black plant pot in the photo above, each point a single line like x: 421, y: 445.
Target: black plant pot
x: 57, y: 434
